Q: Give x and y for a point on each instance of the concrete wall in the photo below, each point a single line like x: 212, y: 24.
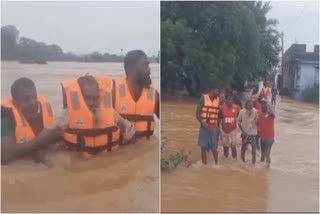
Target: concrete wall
x: 288, y: 72
x: 308, y: 76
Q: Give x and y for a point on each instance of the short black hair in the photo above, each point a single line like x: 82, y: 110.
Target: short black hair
x: 132, y: 58
x: 19, y: 84
x: 248, y: 101
x: 263, y: 101
x: 228, y: 95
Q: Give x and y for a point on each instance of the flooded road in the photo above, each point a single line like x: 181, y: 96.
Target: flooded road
x: 126, y: 180
x: 291, y: 184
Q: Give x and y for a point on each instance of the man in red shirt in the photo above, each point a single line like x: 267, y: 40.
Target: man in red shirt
x: 266, y: 131
x: 228, y: 116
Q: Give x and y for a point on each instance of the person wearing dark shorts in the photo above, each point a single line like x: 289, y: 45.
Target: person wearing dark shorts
x: 208, y: 115
x: 248, y: 119
x: 266, y: 128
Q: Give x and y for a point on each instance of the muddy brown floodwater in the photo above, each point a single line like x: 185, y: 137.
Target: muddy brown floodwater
x: 291, y: 184
x: 126, y: 180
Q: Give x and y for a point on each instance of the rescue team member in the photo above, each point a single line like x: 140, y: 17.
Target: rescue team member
x: 265, y: 91
x: 93, y: 123
x: 248, y: 119
x: 27, y: 124
x: 266, y: 129
x: 208, y: 115
x: 228, y: 126
x: 135, y: 96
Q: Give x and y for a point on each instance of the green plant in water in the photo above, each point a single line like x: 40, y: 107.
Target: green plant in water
x: 171, y: 161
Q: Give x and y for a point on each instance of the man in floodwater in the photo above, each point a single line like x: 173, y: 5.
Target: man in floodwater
x: 265, y: 92
x: 208, y: 115
x: 274, y: 93
x: 93, y: 123
x: 27, y: 124
x: 135, y: 96
x: 266, y: 129
x: 228, y: 116
x: 248, y: 119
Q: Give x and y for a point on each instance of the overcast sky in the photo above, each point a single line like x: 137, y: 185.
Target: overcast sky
x: 84, y: 27
x: 299, y: 21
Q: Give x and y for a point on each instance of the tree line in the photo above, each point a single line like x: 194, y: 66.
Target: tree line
x: 221, y: 43
x: 26, y: 50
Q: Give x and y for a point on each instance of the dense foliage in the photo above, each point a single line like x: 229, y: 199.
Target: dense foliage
x: 222, y: 43
x: 27, y: 50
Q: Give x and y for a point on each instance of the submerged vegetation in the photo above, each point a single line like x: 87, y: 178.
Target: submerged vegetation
x: 170, y: 161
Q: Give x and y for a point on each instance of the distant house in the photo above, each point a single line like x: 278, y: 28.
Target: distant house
x: 300, y: 69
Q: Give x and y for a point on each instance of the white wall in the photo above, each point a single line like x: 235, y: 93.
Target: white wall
x: 307, y: 77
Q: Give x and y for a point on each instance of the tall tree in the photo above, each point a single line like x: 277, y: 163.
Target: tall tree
x: 221, y: 43
x: 9, y: 39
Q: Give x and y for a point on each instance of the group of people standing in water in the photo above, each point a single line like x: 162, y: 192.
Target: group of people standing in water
x: 99, y: 114
x: 220, y: 114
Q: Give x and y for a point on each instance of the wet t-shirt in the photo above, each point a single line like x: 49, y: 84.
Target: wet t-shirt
x: 249, y: 121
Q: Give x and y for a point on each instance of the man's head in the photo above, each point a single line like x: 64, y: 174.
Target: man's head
x: 90, y: 91
x: 265, y: 84
x: 264, y: 106
x: 255, y: 89
x: 234, y: 92
x: 255, y: 102
x: 136, y: 66
x: 24, y: 95
x: 229, y: 99
x: 249, y: 105
x: 228, y: 89
x: 214, y: 92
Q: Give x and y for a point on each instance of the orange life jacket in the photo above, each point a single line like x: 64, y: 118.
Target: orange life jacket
x: 23, y: 130
x: 210, y: 109
x: 265, y: 91
x: 83, y: 133
x: 141, y: 113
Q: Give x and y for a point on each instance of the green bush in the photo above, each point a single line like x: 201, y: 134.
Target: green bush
x: 170, y: 161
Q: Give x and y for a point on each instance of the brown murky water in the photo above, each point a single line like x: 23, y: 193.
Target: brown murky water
x: 126, y: 180
x: 291, y: 184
